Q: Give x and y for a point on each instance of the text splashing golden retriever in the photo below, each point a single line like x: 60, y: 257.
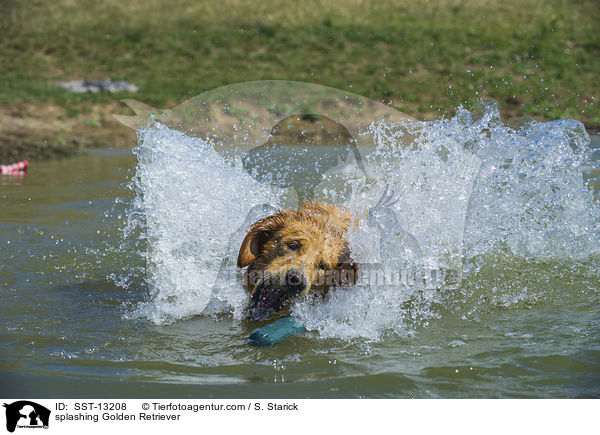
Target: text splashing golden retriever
x: 293, y: 253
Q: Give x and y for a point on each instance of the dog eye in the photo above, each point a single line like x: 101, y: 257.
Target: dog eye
x: 294, y: 246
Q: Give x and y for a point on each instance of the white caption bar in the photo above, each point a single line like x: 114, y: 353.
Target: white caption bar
x: 160, y: 416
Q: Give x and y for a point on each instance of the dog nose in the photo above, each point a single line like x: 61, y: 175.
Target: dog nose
x: 295, y: 282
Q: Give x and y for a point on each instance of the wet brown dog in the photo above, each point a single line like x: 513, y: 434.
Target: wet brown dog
x: 294, y: 252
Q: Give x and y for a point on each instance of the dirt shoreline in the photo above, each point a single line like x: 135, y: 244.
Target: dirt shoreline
x: 43, y: 131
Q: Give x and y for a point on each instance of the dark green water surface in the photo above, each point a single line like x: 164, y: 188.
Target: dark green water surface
x: 65, y: 328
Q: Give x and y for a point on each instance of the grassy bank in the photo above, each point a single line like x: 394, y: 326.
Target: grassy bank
x: 535, y: 57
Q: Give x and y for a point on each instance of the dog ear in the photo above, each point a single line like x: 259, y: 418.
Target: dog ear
x: 257, y: 236
x: 348, y: 269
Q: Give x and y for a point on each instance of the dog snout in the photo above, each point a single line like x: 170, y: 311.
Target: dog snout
x: 295, y: 282
x: 273, y: 294
x: 268, y: 297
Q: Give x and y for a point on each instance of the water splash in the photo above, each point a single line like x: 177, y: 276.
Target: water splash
x: 506, y: 205
x: 189, y: 200
x: 478, y: 197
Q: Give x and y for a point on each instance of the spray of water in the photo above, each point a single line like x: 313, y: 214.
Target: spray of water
x: 469, y: 195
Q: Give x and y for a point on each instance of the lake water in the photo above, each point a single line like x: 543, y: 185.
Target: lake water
x: 109, y: 276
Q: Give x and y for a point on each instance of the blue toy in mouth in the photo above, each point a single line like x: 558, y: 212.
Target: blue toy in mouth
x: 276, y: 331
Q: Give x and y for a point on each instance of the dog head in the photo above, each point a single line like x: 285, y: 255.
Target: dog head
x: 294, y: 252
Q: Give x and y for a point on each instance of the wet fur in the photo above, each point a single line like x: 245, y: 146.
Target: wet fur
x: 323, y: 256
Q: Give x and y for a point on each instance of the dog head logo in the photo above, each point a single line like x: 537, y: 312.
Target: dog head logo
x: 287, y: 158
x: 313, y: 156
x: 26, y: 414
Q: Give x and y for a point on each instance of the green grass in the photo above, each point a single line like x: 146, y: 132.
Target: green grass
x: 535, y: 57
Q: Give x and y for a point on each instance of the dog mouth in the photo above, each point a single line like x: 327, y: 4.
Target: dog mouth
x: 273, y: 294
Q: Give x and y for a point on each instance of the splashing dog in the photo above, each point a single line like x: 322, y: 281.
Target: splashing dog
x: 293, y: 253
